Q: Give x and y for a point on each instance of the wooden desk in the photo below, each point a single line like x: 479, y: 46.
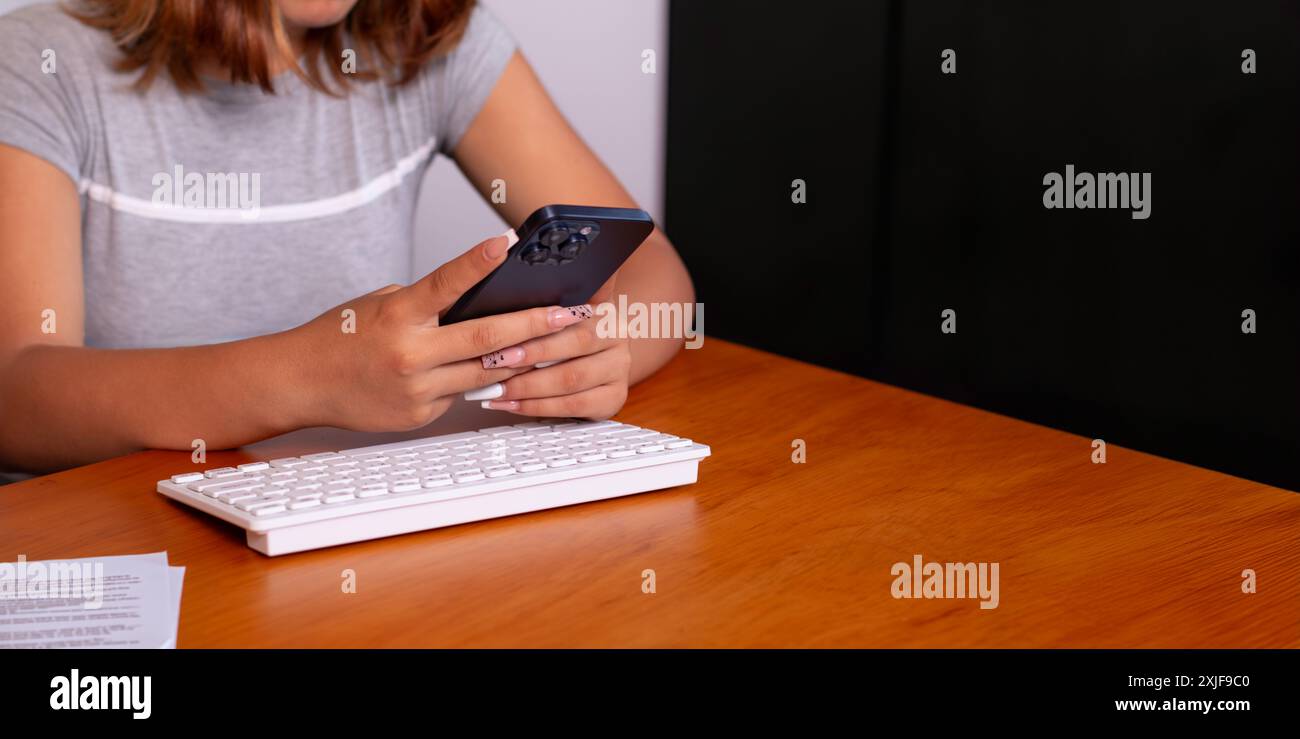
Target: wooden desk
x: 1139, y: 551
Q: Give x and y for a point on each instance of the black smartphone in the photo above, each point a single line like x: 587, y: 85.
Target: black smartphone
x: 563, y: 256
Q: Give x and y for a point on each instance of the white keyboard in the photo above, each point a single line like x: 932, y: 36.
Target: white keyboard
x: 319, y: 500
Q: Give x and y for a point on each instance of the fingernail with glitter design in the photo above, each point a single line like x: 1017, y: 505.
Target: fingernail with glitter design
x: 561, y: 317
x: 507, y: 357
x: 501, y: 405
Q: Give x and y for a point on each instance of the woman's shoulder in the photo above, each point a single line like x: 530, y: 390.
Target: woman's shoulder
x: 53, y: 32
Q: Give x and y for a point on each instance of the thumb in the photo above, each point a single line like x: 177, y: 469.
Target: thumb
x: 438, y: 290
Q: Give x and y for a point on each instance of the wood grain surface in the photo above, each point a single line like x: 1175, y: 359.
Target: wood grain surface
x: 1137, y: 552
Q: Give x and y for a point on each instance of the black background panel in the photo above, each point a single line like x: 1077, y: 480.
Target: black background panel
x: 925, y: 192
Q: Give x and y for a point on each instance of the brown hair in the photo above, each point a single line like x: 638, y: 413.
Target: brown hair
x: 245, y: 36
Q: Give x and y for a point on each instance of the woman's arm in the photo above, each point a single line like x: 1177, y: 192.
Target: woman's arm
x: 63, y: 404
x: 521, y: 137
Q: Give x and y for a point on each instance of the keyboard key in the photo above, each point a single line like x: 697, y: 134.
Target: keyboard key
x: 436, y: 481
x: 212, y: 487
x: 678, y: 444
x: 620, y: 433
x: 268, y: 510
x: 461, y: 477
x: 323, y: 457
x: 533, y: 466
x: 288, y: 462
x: 499, y: 470
x: 221, y: 472
x: 298, y: 504
x: 500, y: 431
x: 187, y: 477
x: 649, y: 448
x: 620, y: 453
x: 591, y: 457
x: 405, y: 486
x: 559, y: 460
x: 597, y: 425
x: 371, y: 489
x: 254, y: 467
x: 339, y: 498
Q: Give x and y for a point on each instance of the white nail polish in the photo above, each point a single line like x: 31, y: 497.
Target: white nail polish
x: 490, y: 392
x: 486, y: 405
x: 511, y: 238
x: 542, y: 365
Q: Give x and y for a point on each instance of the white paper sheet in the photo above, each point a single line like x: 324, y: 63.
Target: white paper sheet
x: 128, y: 601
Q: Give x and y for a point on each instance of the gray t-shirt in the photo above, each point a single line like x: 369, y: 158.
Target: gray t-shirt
x: 231, y: 213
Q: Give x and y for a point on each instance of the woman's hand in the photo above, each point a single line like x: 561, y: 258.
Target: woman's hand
x: 387, y: 365
x: 589, y: 380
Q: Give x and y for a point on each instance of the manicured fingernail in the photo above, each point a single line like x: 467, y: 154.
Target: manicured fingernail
x: 494, y: 390
x: 544, y: 365
x: 508, y: 357
x: 496, y: 247
x: 500, y: 405
x: 561, y: 317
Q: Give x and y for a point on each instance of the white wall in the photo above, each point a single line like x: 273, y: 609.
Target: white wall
x: 588, y: 54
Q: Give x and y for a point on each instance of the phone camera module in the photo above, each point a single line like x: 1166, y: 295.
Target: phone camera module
x: 535, y: 254
x: 573, y: 247
x: 554, y: 236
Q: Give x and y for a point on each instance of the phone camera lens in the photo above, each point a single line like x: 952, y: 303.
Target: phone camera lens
x: 554, y: 236
x: 573, y: 247
x: 535, y: 254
